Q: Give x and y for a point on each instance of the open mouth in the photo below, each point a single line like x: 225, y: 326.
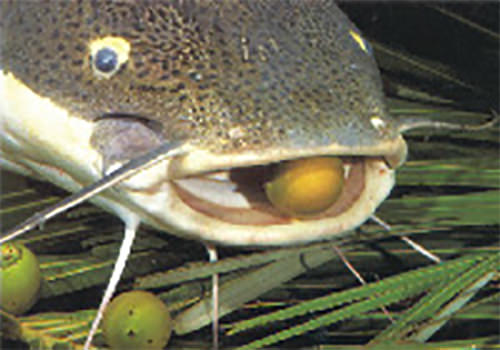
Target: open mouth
x: 238, y: 195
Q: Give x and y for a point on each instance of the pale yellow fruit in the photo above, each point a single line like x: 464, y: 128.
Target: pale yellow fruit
x: 305, y: 187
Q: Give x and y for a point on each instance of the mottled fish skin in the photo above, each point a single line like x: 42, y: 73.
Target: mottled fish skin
x: 228, y: 76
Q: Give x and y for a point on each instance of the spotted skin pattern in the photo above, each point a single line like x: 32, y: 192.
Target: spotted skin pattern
x: 229, y: 76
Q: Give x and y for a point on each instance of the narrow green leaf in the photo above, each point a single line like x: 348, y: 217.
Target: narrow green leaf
x: 55, y: 331
x: 434, y: 300
x: 435, y: 323
x: 418, y: 279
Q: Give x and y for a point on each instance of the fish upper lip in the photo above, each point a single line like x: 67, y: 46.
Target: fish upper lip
x: 199, y: 161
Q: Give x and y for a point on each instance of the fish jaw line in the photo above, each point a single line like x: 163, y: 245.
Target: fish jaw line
x: 238, y: 222
x: 42, y: 140
x: 276, y: 230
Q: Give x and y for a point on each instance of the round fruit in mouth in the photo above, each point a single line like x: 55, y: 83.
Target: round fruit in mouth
x: 306, y: 187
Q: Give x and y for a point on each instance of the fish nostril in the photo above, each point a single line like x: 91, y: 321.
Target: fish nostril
x: 150, y: 123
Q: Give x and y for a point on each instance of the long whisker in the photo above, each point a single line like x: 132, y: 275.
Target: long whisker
x: 212, y: 256
x: 166, y: 150
x: 417, y: 123
x: 358, y: 277
x: 409, y: 241
x: 128, y: 239
x: 419, y: 248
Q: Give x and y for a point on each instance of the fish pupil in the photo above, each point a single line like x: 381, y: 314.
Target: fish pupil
x: 106, y: 60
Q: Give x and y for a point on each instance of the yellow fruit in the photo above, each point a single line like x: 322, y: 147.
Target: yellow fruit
x: 306, y: 186
x: 137, y: 320
x: 20, y: 278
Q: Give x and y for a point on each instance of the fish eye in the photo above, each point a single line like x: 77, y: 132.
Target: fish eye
x: 107, y: 54
x: 106, y: 60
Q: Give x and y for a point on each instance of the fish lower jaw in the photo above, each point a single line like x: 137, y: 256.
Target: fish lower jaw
x: 213, y: 208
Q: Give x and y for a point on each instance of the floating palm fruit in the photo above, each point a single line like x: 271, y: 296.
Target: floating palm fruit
x: 137, y: 320
x: 20, y: 278
x: 306, y: 186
